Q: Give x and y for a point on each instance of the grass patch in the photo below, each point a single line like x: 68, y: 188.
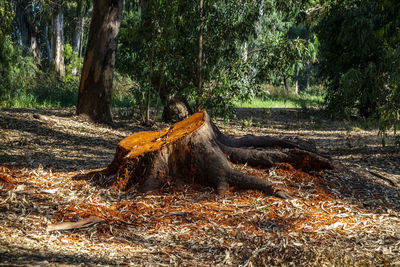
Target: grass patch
x: 299, y: 101
x: 45, y: 91
x: 278, y: 97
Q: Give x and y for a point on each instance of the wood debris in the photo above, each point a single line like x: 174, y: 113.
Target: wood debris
x: 335, y: 218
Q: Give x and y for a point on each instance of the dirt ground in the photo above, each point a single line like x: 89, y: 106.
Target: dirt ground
x: 345, y: 217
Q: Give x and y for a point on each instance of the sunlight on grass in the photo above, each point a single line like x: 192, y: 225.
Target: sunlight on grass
x: 277, y: 97
x: 283, y: 102
x: 270, y: 103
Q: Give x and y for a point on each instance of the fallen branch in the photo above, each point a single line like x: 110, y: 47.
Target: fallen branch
x: 387, y: 179
x: 74, y: 225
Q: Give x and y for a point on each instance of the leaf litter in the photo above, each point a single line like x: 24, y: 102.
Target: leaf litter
x: 343, y: 217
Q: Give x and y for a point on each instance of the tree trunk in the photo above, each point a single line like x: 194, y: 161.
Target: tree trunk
x: 285, y: 84
x: 76, y: 38
x: 48, y: 47
x: 95, y: 88
x: 82, y: 35
x: 297, y: 81
x: 149, y: 25
x: 57, y: 42
x: 27, y: 30
x: 195, y: 151
x: 33, y: 41
x: 22, y: 29
x: 200, y: 55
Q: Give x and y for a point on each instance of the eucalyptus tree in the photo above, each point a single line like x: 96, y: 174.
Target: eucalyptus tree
x: 57, y: 39
x: 94, y: 98
x: 81, y: 8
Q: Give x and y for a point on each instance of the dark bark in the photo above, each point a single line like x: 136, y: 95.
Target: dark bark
x: 94, y: 99
x: 200, y: 55
x: 195, y: 151
x: 22, y: 25
x: 149, y: 24
x: 285, y: 83
x: 28, y: 30
x: 57, y: 41
x: 176, y: 107
x: 368, y: 106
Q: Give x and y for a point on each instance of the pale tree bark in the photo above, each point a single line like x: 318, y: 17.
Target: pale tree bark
x: 48, y: 46
x: 94, y: 99
x: 33, y: 41
x: 77, y: 34
x: 297, y: 81
x: 57, y: 42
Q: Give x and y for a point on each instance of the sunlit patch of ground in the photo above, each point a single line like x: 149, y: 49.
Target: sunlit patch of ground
x: 342, y: 217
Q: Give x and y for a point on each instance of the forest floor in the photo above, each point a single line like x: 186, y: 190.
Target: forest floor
x: 345, y: 217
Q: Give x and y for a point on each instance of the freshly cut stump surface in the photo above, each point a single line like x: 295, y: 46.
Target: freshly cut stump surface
x: 195, y: 151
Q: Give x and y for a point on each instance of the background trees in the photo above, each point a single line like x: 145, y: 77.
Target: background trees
x: 359, y: 57
x: 208, y: 54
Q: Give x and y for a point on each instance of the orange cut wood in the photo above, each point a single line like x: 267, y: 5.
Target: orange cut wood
x: 195, y: 151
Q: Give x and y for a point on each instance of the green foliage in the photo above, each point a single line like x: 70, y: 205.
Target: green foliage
x: 18, y: 71
x: 25, y: 85
x: 227, y: 24
x: 7, y: 16
x: 359, y: 58
x: 72, y: 61
x: 284, y: 48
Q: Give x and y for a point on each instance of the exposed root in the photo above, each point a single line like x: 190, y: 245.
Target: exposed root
x: 197, y: 151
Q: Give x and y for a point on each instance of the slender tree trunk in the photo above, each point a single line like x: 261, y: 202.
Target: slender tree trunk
x: 57, y: 42
x: 34, y: 46
x: 200, y: 55
x: 175, y: 106
x: 153, y: 37
x: 48, y: 47
x: 80, y: 53
x: 22, y: 25
x: 95, y: 90
x: 308, y: 74
x: 77, y: 44
x: 285, y: 83
x: 297, y: 81
x: 149, y: 30
x: 76, y: 38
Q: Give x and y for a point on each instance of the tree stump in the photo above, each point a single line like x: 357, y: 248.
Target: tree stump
x: 195, y: 151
